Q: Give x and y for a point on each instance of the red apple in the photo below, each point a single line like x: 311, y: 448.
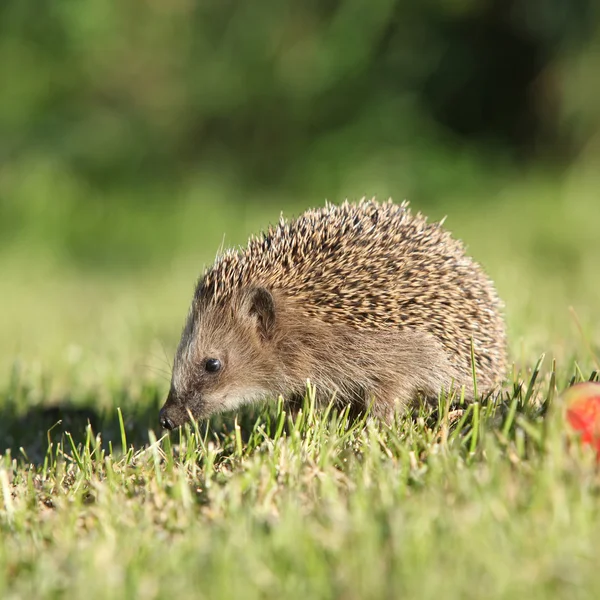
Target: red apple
x: 582, y: 412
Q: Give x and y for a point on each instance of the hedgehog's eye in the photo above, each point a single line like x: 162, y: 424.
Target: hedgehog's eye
x: 212, y: 365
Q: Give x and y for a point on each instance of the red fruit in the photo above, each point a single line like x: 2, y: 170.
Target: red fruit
x: 582, y: 412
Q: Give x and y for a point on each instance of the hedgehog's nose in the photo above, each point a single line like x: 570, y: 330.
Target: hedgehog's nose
x: 165, y: 422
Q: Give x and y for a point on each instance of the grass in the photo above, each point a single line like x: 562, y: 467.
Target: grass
x: 489, y: 503
x: 491, y: 500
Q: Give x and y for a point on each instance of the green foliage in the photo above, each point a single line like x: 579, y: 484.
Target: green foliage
x: 114, y: 114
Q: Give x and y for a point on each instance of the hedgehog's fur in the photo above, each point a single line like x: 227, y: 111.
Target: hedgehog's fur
x: 367, y: 301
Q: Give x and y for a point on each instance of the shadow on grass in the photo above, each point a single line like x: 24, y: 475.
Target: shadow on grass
x: 27, y: 432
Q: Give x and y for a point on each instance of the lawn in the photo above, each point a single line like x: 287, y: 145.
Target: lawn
x: 487, y: 502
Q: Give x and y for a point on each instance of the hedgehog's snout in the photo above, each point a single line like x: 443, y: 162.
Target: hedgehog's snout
x: 173, y: 414
x: 165, y: 420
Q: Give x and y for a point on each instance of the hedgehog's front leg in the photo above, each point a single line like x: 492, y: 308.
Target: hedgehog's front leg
x: 386, y: 400
x: 413, y: 367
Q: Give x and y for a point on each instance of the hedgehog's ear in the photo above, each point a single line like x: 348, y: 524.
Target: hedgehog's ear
x: 261, y: 306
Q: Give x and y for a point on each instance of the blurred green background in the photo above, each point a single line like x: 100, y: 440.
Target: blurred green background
x: 136, y: 137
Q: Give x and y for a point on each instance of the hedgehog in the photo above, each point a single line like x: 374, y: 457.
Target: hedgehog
x: 369, y: 303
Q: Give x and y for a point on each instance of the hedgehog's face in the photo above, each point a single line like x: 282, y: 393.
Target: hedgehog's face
x: 222, y: 361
